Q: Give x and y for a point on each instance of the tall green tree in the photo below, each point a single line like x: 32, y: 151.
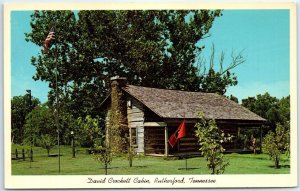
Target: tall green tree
x: 284, y: 109
x: 42, y: 121
x: 271, y: 108
x: 150, y: 48
x: 20, y: 107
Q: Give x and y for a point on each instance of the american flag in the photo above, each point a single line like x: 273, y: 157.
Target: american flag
x: 48, y: 42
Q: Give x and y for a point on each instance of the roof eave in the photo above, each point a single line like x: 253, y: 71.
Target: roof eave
x: 243, y: 121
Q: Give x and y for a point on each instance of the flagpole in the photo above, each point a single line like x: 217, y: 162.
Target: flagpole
x: 57, y: 110
x: 178, y: 145
x: 56, y: 97
x: 46, y: 45
x: 185, y: 156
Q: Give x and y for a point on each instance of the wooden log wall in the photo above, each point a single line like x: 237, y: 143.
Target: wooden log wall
x: 154, y: 136
x: 135, y: 115
x: 154, y: 140
x: 187, y: 144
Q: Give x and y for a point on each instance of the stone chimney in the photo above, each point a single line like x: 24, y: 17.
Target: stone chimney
x: 119, y: 125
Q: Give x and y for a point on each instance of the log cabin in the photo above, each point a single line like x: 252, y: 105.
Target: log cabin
x: 151, y: 115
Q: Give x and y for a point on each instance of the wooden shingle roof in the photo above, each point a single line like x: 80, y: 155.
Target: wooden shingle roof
x: 175, y: 104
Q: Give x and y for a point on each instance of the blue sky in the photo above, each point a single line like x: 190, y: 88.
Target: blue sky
x: 263, y: 35
x: 21, y: 53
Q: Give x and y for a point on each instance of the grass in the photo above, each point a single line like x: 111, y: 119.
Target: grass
x: 84, y: 164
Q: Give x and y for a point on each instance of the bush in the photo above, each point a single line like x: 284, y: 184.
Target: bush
x: 210, y: 138
x: 103, y: 155
x: 47, y: 142
x: 89, y: 132
x: 276, y: 143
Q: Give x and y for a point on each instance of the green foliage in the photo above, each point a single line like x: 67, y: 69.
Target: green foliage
x: 39, y: 122
x: 210, y: 138
x: 43, y: 120
x: 269, y: 107
x: 166, y: 42
x: 67, y: 123
x: 104, y: 156
x: 131, y: 154
x: 276, y: 143
x: 233, y: 98
x: 245, y: 138
x: 151, y: 48
x: 89, y: 131
x: 284, y: 109
x: 287, y: 138
x: 93, y: 136
x: 20, y: 108
x: 47, y: 142
x: 215, y: 82
x: 102, y: 152
x: 117, y: 136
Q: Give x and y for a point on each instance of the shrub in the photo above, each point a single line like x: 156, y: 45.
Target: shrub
x: 47, y: 142
x: 103, y: 155
x: 276, y: 143
x: 210, y: 138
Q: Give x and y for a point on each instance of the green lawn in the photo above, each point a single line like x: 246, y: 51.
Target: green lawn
x: 84, y: 164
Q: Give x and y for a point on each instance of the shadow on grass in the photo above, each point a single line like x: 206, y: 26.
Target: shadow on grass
x: 253, y: 156
x: 280, y: 166
x: 54, y: 155
x: 140, y: 166
x: 131, y: 167
x: 116, y: 167
x: 188, y: 168
x: 109, y: 168
x: 34, y: 167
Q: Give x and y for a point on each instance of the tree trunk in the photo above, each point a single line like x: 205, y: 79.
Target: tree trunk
x: 130, y: 160
x: 106, y: 169
x: 48, y: 151
x: 276, y: 162
x: 213, y: 167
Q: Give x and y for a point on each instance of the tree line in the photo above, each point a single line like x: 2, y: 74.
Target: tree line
x: 39, y: 119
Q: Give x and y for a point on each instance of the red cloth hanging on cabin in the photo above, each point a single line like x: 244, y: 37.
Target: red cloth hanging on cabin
x: 173, y: 139
x: 179, y: 133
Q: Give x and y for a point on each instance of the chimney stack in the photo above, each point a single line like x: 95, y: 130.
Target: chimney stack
x: 119, y: 124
